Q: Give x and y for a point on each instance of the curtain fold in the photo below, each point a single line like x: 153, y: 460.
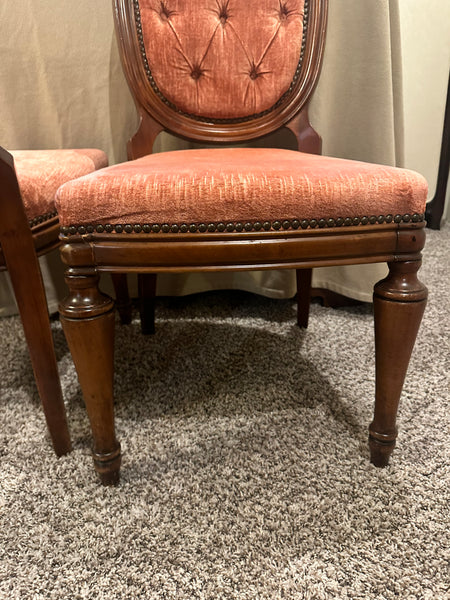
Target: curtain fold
x: 63, y: 87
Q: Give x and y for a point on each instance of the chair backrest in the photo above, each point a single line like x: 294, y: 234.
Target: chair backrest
x: 221, y: 70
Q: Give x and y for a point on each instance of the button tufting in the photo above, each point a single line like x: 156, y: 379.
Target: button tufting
x: 284, y: 12
x: 218, y: 58
x: 223, y: 12
x: 197, y: 72
x: 254, y: 72
x: 164, y: 12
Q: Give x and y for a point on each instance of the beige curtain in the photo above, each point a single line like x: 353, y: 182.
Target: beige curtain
x: 62, y: 86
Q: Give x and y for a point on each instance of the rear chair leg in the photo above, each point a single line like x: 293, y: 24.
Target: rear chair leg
x: 304, y: 277
x: 123, y: 300
x: 87, y: 317
x: 147, y: 293
x: 399, y: 303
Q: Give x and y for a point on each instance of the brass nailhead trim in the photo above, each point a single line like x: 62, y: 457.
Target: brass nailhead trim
x: 41, y: 218
x: 230, y: 227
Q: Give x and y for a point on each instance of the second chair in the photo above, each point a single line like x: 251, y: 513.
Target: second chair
x: 29, y: 228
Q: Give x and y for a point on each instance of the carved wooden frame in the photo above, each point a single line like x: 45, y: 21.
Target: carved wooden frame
x: 136, y: 252
x: 163, y: 117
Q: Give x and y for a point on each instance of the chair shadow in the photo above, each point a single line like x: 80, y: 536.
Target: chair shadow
x: 209, y: 357
x: 204, y: 359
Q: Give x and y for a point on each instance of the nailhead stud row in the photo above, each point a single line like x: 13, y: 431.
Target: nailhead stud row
x: 221, y: 227
x: 41, y: 219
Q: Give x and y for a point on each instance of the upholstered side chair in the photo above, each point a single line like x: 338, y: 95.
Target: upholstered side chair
x: 224, y: 72
x: 29, y: 227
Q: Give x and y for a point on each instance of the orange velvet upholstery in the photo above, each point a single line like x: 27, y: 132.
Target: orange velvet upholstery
x: 41, y: 172
x: 184, y: 44
x: 240, y: 188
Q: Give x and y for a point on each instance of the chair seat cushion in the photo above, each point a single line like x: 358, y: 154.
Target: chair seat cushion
x: 237, y: 186
x: 41, y: 172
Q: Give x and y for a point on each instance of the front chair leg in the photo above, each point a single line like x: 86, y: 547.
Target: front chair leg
x: 87, y: 317
x: 399, y: 303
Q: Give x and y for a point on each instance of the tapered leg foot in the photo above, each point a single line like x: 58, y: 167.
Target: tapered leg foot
x: 87, y: 317
x: 108, y: 466
x: 147, y: 293
x: 399, y: 303
x: 381, y: 449
x: 304, y: 277
x: 123, y: 300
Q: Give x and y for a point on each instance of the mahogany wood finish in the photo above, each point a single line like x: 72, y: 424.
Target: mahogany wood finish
x: 20, y: 246
x: 91, y: 341
x: 87, y: 314
x: 399, y: 303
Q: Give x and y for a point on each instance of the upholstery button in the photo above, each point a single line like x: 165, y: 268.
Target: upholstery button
x: 223, y: 12
x: 253, y: 73
x: 284, y: 12
x: 196, y: 72
x: 164, y: 12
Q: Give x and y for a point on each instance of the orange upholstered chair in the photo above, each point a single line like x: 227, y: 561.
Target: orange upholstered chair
x: 29, y: 227
x: 223, y: 72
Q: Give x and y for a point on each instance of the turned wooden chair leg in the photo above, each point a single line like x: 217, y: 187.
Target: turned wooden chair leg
x: 304, y: 277
x: 399, y: 303
x: 87, y: 317
x: 147, y: 293
x: 29, y: 292
x: 123, y: 300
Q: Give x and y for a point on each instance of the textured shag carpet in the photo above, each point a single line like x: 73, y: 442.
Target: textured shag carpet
x: 246, y: 471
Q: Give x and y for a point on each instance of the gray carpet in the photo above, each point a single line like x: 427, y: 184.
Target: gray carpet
x: 245, y: 471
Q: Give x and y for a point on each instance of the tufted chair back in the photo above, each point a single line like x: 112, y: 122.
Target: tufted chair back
x: 221, y: 70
